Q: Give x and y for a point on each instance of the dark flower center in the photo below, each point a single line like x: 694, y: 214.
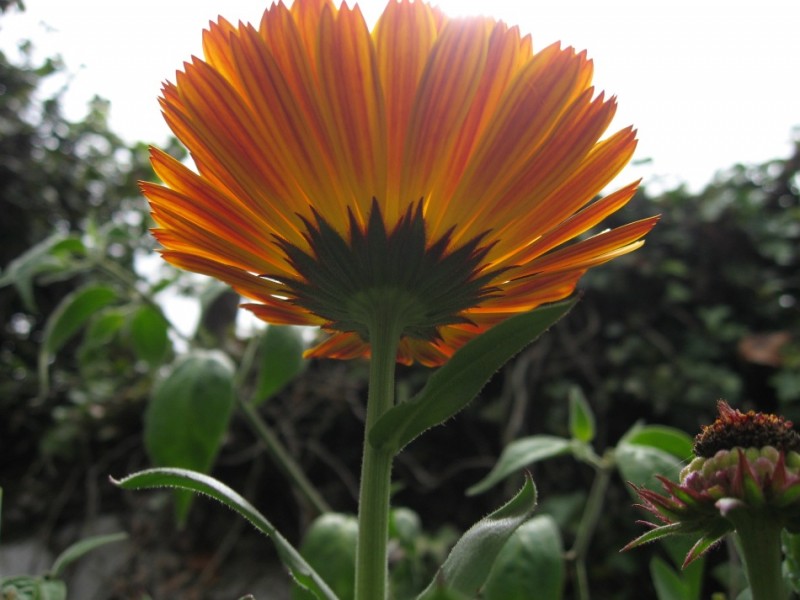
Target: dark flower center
x: 346, y: 280
x: 734, y: 428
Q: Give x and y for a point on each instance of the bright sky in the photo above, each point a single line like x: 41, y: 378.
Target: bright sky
x: 708, y: 83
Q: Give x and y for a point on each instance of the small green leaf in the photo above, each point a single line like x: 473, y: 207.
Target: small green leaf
x: 668, y: 583
x: 281, y: 360
x: 670, y: 440
x: 646, y: 451
x: 32, y: 588
x: 51, y: 255
x: 791, y: 563
x: 72, y: 313
x: 519, y: 454
x: 530, y: 565
x: 188, y: 415
x: 78, y: 549
x: 471, y: 559
x: 149, y: 335
x: 302, y: 572
x: 463, y: 376
x: 329, y: 547
x: 104, y: 327
x: 581, y: 418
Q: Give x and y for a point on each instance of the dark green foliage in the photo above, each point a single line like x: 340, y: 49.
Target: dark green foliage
x: 707, y: 309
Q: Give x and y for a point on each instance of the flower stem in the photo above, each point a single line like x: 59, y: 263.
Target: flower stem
x: 376, y: 468
x: 591, y: 515
x: 759, y: 538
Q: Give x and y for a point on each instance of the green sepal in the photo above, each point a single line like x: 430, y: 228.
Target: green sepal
x: 303, y: 574
x: 518, y: 455
x: 468, y: 565
x: 655, y: 534
x: 462, y: 377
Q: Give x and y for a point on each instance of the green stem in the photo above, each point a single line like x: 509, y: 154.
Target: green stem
x: 376, y: 467
x: 759, y: 538
x: 591, y: 515
x: 283, y: 459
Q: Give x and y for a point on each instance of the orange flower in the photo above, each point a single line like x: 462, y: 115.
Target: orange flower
x: 434, y: 166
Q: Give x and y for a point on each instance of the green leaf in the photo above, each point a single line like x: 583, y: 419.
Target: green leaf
x: 73, y: 312
x: 668, y: 583
x: 330, y: 548
x: 281, y: 360
x: 670, y: 440
x: 646, y: 451
x: 462, y: 377
x: 519, y: 454
x: 302, y: 572
x: 149, y: 335
x: 530, y: 565
x: 51, y: 255
x: 581, y: 418
x: 67, y: 319
x: 188, y: 415
x: 33, y: 588
x: 471, y: 559
x: 791, y: 563
x: 78, y: 549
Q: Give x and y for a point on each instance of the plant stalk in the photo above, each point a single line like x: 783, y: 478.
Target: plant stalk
x: 759, y: 538
x: 588, y: 524
x: 376, y: 467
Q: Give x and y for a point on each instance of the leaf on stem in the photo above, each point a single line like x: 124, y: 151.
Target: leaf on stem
x: 188, y: 416
x: 581, y: 417
x: 462, y: 377
x: 530, y: 565
x: 471, y: 559
x: 518, y: 455
x: 183, y: 479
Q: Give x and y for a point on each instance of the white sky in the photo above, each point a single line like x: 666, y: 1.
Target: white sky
x: 708, y: 83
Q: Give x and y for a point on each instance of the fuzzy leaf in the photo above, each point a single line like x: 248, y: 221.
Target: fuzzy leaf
x: 462, y: 377
x: 79, y: 548
x: 182, y: 479
x: 530, y: 565
x: 471, y: 559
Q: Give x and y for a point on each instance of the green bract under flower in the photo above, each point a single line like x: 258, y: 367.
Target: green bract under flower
x: 716, y: 492
x: 342, y: 280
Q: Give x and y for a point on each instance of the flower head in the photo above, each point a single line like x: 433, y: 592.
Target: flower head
x: 746, y: 468
x: 440, y: 167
